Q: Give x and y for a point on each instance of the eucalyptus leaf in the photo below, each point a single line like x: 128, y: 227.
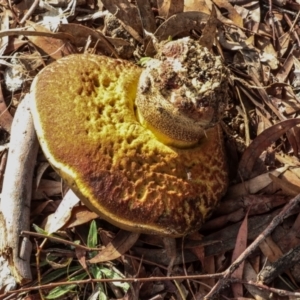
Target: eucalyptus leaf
x: 64, y: 289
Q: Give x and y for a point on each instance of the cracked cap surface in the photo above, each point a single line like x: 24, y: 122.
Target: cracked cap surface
x: 84, y: 114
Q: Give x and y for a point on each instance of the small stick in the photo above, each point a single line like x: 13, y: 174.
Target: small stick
x: 287, y: 261
x: 16, y: 194
x: 285, y: 212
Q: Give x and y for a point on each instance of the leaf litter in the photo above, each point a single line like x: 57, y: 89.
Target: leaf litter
x: 259, y: 42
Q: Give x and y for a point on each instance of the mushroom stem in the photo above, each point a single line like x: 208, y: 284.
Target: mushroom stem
x: 16, y: 194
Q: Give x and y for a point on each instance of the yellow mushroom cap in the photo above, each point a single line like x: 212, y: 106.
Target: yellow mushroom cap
x: 84, y: 114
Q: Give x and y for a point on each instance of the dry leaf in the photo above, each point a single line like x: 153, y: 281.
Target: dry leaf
x: 209, y: 267
x: 98, y: 40
x: 207, y: 38
x: 80, y: 254
x: 55, y: 48
x: 123, y: 241
x: 270, y: 249
x: 251, y: 275
x: 147, y: 16
x: 240, y: 246
x: 47, y: 187
x: 40, y: 171
x: 232, y: 13
x: 196, y: 5
x: 168, y: 8
x: 286, y: 185
x: 260, y: 143
x: 61, y: 216
x: 5, y: 116
x: 128, y: 16
x: 80, y: 215
x: 253, y: 185
x: 284, y: 71
x: 179, y: 23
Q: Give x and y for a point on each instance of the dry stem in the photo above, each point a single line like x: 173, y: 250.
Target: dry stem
x: 16, y: 195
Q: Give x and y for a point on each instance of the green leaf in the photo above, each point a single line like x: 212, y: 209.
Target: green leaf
x: 112, y: 274
x: 39, y: 230
x: 92, y: 240
x: 52, y: 276
x: 96, y: 271
x: 102, y: 293
x: 143, y: 61
x: 64, y: 289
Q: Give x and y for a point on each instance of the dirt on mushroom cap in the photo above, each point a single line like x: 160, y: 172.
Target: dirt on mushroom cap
x: 84, y: 114
x: 182, y: 92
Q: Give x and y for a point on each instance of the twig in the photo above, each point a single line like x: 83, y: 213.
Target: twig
x: 87, y: 281
x: 16, y: 194
x: 288, y: 260
x: 273, y: 290
x: 286, y: 211
x: 30, y: 11
x: 58, y: 240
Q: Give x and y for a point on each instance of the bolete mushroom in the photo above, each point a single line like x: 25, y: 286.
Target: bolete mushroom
x: 125, y: 163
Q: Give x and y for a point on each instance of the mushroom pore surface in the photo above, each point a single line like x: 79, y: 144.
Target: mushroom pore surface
x: 84, y: 113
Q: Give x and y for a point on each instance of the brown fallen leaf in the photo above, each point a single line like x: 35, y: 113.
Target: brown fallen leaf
x: 47, y: 187
x: 123, y: 241
x: 286, y: 186
x: 270, y: 249
x: 283, y: 72
x: 199, y: 252
x: 55, y: 48
x: 80, y: 215
x: 5, y: 116
x: 288, y: 237
x: 224, y: 239
x: 240, y: 246
x: 128, y: 16
x: 160, y: 256
x: 14, y: 44
x: 168, y: 8
x: 196, y: 5
x: 42, y: 167
x: 175, y: 25
x: 147, y: 16
x: 260, y: 143
x: 232, y: 13
x: 251, y: 275
x: 253, y: 185
x: 39, y: 208
x: 282, y: 264
x: 292, y: 161
x: 220, y: 222
x: 179, y: 23
x: 207, y: 38
x: 209, y: 267
x: 81, y: 256
x: 258, y: 204
x: 98, y: 40
x: 284, y: 42
x: 274, y: 253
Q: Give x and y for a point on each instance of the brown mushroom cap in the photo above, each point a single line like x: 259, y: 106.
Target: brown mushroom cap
x: 84, y: 114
